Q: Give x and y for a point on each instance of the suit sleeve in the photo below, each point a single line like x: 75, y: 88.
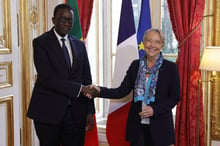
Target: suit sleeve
x: 126, y: 85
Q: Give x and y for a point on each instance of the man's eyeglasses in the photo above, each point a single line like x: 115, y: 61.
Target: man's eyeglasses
x: 64, y: 20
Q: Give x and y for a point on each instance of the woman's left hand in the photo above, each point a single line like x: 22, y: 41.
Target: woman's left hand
x: 147, y: 111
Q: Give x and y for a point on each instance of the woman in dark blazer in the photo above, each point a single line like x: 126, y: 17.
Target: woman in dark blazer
x: 156, y: 85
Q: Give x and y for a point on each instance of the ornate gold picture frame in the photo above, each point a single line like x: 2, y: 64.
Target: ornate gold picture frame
x: 5, y: 27
x: 5, y: 74
x: 7, y: 118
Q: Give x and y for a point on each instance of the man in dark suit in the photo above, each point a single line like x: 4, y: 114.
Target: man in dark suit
x: 58, y: 107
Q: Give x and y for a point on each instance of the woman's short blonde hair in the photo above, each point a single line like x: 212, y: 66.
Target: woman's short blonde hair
x: 159, y: 31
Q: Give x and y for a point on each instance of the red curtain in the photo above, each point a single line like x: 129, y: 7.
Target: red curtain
x: 85, y: 12
x: 186, y: 16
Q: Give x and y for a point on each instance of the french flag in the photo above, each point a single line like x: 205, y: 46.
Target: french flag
x: 127, y: 51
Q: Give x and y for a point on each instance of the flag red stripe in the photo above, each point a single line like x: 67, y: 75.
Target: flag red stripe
x: 116, y: 126
x: 91, y: 138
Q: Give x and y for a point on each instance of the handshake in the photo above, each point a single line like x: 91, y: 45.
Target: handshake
x: 91, y: 91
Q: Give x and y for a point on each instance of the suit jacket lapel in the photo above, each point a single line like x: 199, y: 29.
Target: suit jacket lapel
x: 74, y: 52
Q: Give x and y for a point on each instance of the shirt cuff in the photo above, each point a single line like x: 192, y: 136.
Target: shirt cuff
x: 79, y: 91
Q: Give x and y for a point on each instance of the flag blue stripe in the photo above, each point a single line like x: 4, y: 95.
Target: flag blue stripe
x: 126, y: 25
x: 144, y: 23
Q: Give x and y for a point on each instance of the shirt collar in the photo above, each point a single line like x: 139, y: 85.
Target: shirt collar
x: 58, y: 36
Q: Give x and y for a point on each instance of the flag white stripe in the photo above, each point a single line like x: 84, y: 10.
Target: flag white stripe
x: 126, y: 53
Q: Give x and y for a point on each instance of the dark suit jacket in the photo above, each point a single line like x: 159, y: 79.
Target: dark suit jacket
x: 167, y: 96
x: 56, y: 85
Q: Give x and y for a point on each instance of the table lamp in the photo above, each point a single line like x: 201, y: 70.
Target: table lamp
x: 210, y: 62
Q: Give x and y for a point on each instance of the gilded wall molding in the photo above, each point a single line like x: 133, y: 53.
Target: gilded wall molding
x: 5, y: 38
x: 26, y: 137
x: 207, y: 40
x: 217, y: 23
x: 215, y: 101
x: 6, y: 74
x: 34, y: 16
x: 33, y: 22
x: 215, y: 109
x: 8, y: 102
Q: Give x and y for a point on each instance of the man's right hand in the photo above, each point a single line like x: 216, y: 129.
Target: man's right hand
x: 91, y: 91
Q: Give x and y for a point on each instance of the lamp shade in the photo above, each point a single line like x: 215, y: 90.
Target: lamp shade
x: 211, y: 59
